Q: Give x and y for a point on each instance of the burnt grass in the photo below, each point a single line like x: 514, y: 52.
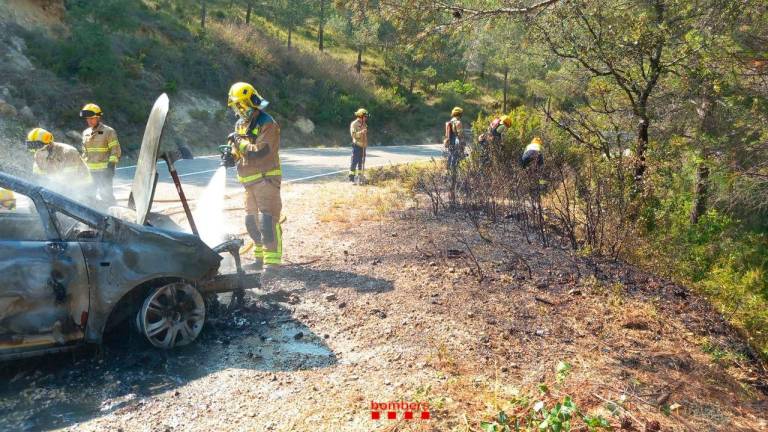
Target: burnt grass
x: 508, y: 311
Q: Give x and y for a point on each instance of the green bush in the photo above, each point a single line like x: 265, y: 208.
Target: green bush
x: 458, y: 87
x: 725, y: 259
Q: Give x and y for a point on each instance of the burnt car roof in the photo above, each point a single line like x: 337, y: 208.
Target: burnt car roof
x: 85, y: 213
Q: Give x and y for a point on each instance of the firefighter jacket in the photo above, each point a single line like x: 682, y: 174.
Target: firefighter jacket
x: 61, y: 162
x: 359, y: 132
x: 257, y: 145
x: 100, y: 147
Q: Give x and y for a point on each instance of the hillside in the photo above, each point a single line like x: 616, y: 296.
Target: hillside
x: 127, y: 53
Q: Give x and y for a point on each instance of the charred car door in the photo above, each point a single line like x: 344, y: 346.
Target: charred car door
x: 43, y: 281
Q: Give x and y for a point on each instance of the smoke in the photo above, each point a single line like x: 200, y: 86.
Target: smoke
x: 209, y: 214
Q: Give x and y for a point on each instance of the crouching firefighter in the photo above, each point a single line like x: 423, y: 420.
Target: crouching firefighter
x: 532, y: 154
x: 255, y: 146
x: 58, y: 165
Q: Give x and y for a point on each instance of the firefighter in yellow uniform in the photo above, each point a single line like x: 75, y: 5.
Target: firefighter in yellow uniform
x: 533, y: 154
x: 454, y: 139
x: 101, y: 152
x: 7, y: 200
x: 58, y: 165
x: 358, y: 130
x: 255, y: 146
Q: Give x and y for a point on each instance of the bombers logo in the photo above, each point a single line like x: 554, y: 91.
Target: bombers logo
x: 400, y: 410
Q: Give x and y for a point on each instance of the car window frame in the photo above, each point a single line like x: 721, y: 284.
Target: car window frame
x: 61, y: 238
x: 41, y: 208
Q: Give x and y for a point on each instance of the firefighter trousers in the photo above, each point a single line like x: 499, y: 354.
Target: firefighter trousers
x: 358, y: 157
x: 102, y: 182
x: 263, y: 206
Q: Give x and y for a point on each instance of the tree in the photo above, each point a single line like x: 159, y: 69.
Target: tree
x: 629, y: 46
x: 358, y: 23
x: 321, y: 25
x: 498, y: 47
x: 290, y: 14
x: 203, y: 4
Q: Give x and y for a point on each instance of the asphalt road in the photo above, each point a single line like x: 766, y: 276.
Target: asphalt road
x: 299, y: 165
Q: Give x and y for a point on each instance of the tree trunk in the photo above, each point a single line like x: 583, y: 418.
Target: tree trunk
x: 290, y: 34
x: 482, y: 70
x: 359, y: 65
x: 701, y: 192
x: 248, y: 12
x: 642, y: 146
x: 701, y: 189
x: 320, y: 31
x: 506, y: 89
x: 202, y: 14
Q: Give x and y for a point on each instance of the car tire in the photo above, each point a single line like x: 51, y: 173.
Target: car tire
x: 171, y: 315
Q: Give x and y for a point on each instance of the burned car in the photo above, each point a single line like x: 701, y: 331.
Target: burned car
x: 69, y: 272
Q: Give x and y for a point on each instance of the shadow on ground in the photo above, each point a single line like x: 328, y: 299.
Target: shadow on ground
x: 61, y: 390
x: 307, y: 279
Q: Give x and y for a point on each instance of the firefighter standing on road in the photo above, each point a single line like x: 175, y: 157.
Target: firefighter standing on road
x: 58, y: 165
x: 255, y: 148
x: 358, y: 129
x: 101, y: 152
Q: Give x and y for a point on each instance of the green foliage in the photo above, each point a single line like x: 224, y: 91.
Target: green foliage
x: 728, y: 261
x: 562, y: 371
x: 459, y: 87
x: 529, y: 413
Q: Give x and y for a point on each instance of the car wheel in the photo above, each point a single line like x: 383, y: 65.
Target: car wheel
x: 172, y: 315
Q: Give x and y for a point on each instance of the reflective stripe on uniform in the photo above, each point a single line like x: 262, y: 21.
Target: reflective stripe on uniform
x: 276, y: 256
x: 97, y: 149
x: 252, y: 178
x: 113, y: 144
x: 113, y: 159
x: 96, y: 166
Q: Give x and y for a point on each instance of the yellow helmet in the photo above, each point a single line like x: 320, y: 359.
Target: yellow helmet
x: 457, y: 111
x: 361, y: 112
x: 7, y: 199
x: 243, y: 99
x: 90, y: 110
x: 536, y: 140
x: 506, y: 121
x: 38, y: 138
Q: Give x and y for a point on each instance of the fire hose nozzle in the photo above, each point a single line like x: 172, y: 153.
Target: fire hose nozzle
x: 227, y: 157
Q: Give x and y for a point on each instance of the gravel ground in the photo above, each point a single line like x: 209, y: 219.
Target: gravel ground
x: 381, y: 303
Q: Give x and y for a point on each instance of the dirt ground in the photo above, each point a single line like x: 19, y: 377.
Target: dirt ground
x: 382, y: 303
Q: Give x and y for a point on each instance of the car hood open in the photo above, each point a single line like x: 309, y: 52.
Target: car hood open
x: 143, y: 187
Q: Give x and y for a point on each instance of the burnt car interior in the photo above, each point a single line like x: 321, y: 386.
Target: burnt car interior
x: 23, y: 223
